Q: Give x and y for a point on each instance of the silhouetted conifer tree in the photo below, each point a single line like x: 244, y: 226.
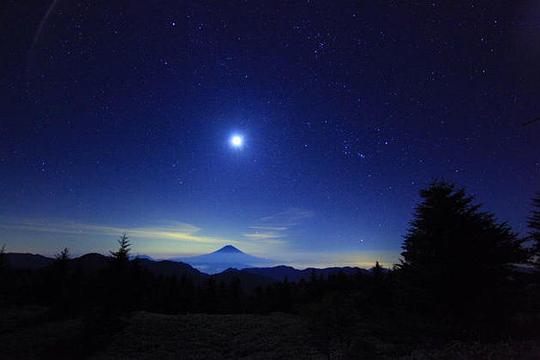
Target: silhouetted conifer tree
x: 379, y: 292
x: 119, y: 280
x: 3, y: 262
x: 377, y: 271
x: 3, y: 276
x: 534, y: 226
x: 60, y: 287
x: 456, y: 257
x: 121, y: 256
x: 62, y: 257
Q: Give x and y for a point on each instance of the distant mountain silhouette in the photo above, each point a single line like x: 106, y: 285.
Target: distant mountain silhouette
x: 282, y: 272
x: 223, y: 259
x: 173, y: 268
x: 27, y: 261
x: 89, y: 263
x: 249, y: 281
x: 217, y: 264
x: 94, y: 262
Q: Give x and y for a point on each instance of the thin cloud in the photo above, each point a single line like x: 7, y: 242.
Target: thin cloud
x: 274, y: 227
x: 263, y: 236
x: 289, y: 217
x: 269, y: 228
x: 168, y: 231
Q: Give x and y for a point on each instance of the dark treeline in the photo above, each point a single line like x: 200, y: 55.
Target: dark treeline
x: 462, y: 274
x: 124, y: 285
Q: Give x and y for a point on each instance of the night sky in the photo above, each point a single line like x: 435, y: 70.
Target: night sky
x: 119, y: 116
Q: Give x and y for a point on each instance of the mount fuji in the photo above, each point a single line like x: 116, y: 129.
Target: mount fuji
x: 223, y: 259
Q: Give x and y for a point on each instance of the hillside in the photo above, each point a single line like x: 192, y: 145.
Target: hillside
x: 27, y: 261
x: 248, y: 281
x: 250, y: 277
x: 282, y: 272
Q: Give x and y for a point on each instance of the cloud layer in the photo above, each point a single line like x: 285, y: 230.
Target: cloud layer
x: 181, y: 232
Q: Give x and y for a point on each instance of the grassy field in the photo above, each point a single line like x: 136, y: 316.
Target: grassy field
x: 199, y: 336
x: 27, y: 333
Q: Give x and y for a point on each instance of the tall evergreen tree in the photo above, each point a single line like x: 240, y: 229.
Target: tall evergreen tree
x: 456, y: 256
x: 3, y: 257
x: 379, y: 290
x: 377, y: 270
x: 5, y: 288
x: 59, y: 289
x: 124, y: 247
x: 534, y: 226
x: 120, y: 280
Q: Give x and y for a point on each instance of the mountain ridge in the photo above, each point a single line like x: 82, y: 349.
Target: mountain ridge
x: 250, y: 277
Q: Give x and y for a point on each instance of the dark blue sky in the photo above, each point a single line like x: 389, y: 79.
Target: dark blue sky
x: 117, y: 116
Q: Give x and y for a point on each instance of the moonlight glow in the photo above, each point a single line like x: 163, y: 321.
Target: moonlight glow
x: 237, y: 141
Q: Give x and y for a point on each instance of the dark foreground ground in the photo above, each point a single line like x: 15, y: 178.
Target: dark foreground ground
x: 29, y: 333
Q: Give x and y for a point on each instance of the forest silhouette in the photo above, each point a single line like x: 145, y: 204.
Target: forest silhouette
x: 462, y: 275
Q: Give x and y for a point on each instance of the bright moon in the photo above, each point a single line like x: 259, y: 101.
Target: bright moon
x: 237, y: 141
